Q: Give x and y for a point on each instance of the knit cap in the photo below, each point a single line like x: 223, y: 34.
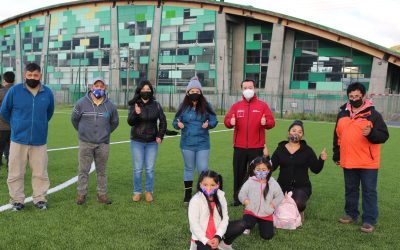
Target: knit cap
x: 194, y: 83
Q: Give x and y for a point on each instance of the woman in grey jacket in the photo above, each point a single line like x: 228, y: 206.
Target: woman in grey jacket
x: 260, y: 194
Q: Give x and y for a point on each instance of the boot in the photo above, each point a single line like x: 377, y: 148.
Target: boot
x: 188, y: 191
x: 81, y: 199
x: 302, y: 217
x: 148, y: 196
x: 102, y: 198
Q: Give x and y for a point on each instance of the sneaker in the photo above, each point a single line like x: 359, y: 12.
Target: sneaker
x: 81, y: 199
x: 102, y: 198
x: 42, y: 205
x: 136, y: 197
x: 367, y: 228
x: 347, y: 219
x: 246, y: 232
x: 223, y: 246
x: 148, y: 196
x: 17, y: 207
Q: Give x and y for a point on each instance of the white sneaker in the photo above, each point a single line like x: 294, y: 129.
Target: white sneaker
x: 246, y: 232
x: 223, y: 246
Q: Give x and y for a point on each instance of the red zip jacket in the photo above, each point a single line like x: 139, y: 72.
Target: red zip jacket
x: 249, y: 133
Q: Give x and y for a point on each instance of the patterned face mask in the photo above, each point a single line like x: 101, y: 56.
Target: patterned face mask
x: 211, y: 192
x: 294, y: 138
x: 261, y: 175
x: 98, y: 93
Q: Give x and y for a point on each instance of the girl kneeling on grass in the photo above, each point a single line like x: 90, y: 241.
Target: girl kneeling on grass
x: 260, y: 194
x: 208, y: 215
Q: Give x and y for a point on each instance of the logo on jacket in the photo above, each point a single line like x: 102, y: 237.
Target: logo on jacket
x: 240, y: 113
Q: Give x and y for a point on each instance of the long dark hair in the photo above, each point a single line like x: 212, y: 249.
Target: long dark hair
x: 136, y: 98
x: 257, y: 161
x: 218, y: 179
x: 201, y: 107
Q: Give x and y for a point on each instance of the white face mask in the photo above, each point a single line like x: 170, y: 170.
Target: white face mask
x: 248, y: 94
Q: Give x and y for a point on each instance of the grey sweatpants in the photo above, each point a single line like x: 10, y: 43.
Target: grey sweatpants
x: 87, y: 153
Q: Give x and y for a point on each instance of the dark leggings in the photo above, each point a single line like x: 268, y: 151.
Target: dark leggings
x: 301, y: 196
x: 235, y: 228
x: 266, y: 227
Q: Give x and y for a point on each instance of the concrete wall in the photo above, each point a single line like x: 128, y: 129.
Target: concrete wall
x: 275, y: 59
x: 239, y: 35
x: 379, y: 71
x: 222, y: 53
x: 155, y: 44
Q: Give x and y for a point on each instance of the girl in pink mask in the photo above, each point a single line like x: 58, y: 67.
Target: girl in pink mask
x: 260, y: 195
x: 208, y: 215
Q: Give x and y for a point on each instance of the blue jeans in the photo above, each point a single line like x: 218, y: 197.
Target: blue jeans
x: 193, y: 159
x: 143, y: 154
x: 368, y: 179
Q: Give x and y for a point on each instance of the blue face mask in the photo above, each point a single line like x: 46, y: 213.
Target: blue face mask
x: 209, y: 193
x: 261, y: 175
x: 98, y: 93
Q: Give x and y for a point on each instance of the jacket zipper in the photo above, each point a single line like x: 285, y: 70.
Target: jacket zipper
x: 259, y: 206
x: 33, y: 112
x: 247, y: 125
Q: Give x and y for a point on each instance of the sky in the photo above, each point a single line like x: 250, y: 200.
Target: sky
x: 377, y: 21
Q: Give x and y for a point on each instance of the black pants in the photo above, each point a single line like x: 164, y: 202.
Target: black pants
x: 266, y: 227
x: 235, y: 228
x: 300, y: 196
x: 5, y: 143
x: 241, y: 159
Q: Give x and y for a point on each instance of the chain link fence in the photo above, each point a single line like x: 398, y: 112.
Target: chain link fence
x: 302, y: 106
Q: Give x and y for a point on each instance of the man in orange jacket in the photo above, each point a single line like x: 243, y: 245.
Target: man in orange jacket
x: 250, y: 117
x: 358, y: 134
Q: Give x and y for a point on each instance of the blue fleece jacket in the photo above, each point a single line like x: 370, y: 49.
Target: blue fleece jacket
x: 27, y: 114
x: 194, y: 137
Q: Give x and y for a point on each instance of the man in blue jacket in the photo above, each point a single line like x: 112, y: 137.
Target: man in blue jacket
x: 28, y: 107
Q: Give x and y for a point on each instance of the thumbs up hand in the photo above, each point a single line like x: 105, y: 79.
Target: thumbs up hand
x: 323, y: 155
x: 205, y: 124
x: 233, y: 120
x: 137, y: 109
x: 263, y: 120
x: 180, y: 124
x: 366, y: 130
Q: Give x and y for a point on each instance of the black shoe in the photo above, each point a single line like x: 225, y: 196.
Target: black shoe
x: 17, y: 207
x: 236, y: 203
x: 42, y: 205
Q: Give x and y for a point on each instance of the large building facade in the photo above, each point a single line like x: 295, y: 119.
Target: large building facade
x: 169, y: 41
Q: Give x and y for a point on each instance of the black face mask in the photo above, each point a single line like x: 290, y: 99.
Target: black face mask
x: 194, y: 97
x: 356, y: 103
x: 32, y: 83
x: 146, y: 95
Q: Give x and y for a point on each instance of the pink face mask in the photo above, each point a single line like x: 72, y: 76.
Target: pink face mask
x: 211, y: 192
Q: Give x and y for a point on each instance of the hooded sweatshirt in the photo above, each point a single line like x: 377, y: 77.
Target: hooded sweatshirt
x: 253, y: 190
x: 94, y: 123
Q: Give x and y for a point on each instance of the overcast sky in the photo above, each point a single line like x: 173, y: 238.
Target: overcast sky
x: 377, y: 21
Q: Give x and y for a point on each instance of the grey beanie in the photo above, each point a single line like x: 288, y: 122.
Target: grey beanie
x: 194, y: 83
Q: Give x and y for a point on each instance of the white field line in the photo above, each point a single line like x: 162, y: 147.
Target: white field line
x: 75, y: 179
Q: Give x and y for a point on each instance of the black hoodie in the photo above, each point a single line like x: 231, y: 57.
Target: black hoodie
x: 294, y: 167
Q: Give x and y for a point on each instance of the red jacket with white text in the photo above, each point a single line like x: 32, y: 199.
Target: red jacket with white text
x: 249, y: 133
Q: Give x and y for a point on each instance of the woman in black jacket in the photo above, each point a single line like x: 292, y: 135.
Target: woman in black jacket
x: 144, y: 113
x: 295, y: 157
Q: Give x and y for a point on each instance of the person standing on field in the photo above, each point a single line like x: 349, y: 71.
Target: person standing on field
x: 250, y: 117
x: 28, y: 108
x: 95, y: 117
x: 359, y: 131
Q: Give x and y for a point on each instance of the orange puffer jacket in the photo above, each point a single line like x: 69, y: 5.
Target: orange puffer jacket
x: 350, y: 146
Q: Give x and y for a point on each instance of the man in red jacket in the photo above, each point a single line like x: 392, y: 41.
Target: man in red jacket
x: 250, y: 117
